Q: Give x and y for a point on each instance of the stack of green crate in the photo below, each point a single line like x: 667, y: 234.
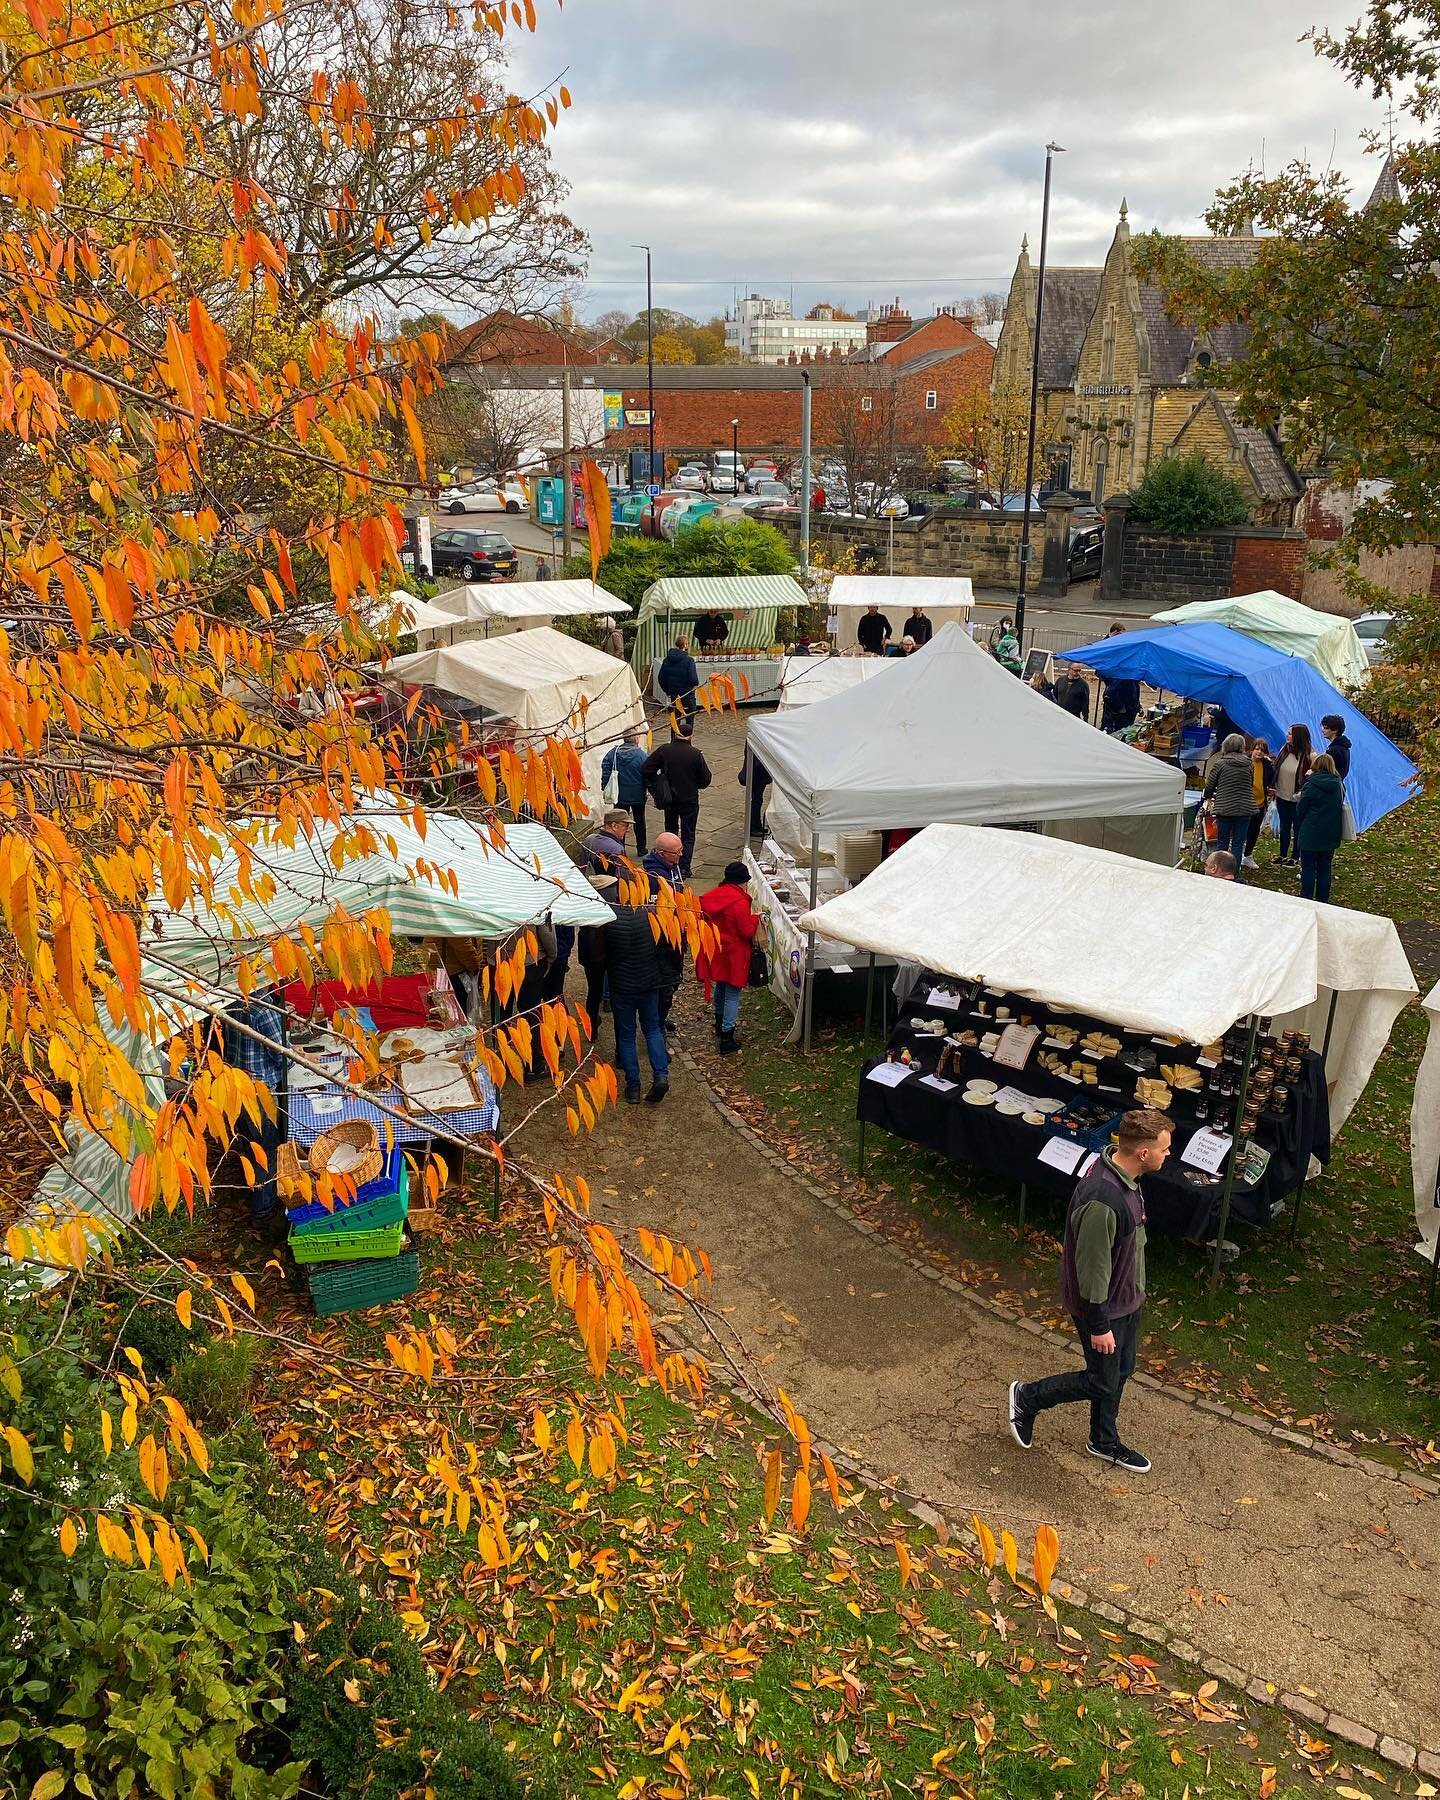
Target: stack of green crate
x: 354, y: 1256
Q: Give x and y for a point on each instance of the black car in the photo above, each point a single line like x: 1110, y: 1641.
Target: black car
x: 472, y: 555
x: 1087, y: 546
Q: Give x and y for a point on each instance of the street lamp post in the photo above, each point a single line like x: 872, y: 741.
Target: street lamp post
x: 735, y: 454
x: 1051, y: 152
x: 649, y: 375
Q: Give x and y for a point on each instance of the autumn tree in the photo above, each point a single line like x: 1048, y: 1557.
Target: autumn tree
x: 988, y: 430
x: 1335, y: 316
x: 856, y: 423
x: 669, y: 347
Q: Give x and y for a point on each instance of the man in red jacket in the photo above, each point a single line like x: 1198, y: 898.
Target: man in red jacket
x: 725, y: 971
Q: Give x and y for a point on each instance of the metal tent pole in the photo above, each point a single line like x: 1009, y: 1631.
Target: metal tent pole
x: 869, y: 1002
x: 809, y: 999
x: 1234, y: 1152
x: 749, y: 796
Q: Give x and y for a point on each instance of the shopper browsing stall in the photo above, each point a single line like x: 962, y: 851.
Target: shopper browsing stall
x: 1230, y: 789
x: 1319, y: 827
x: 1262, y: 782
x: 1292, y: 767
x: 725, y: 971
x: 1103, y: 1283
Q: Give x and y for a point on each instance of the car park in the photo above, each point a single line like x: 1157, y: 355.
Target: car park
x: 693, y: 477
x: 472, y: 554
x: 1372, y: 629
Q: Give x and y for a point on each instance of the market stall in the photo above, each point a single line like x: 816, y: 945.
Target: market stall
x: 946, y: 599
x: 947, y: 735
x: 1069, y: 984
x: 779, y: 891
x: 1265, y: 692
x: 806, y: 679
x: 1425, y: 1144
x: 402, y: 615
x: 545, y: 683
x: 341, y: 1170
x: 485, y: 609
x: 749, y: 605
x: 1328, y: 643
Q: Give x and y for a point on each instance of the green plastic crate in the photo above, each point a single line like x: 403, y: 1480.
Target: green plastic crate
x: 345, y: 1287
x: 365, y: 1216
x: 349, y: 1246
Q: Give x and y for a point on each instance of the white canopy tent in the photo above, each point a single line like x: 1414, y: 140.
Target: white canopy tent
x: 1425, y: 1139
x: 494, y: 608
x: 948, y: 736
x: 1145, y: 948
x: 947, y: 599
x: 539, y: 679
x: 805, y: 679
x: 426, y: 618
x: 1149, y: 948
x: 1327, y: 642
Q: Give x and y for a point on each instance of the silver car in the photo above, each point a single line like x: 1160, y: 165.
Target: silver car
x: 1372, y: 629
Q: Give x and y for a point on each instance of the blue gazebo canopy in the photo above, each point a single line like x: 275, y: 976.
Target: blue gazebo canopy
x: 1265, y: 692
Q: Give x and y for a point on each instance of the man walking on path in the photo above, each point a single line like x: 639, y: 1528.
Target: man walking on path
x: 685, y: 774
x: 663, y: 864
x: 637, y: 973
x: 679, y: 676
x: 626, y: 762
x: 1103, y: 1283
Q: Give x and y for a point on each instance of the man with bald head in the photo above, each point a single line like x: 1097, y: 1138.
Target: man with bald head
x: 663, y: 864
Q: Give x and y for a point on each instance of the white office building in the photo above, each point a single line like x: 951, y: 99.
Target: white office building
x: 766, y: 331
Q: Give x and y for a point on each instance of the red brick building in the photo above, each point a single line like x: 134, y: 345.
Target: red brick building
x: 510, y: 338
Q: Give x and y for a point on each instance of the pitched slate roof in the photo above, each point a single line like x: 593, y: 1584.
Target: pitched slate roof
x: 1172, y: 344
x: 1387, y: 186
x: 1070, y: 296
x: 1260, y: 449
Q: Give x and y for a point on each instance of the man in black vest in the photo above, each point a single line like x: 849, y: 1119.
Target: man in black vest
x: 1103, y: 1283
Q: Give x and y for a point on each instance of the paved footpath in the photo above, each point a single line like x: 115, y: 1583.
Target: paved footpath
x: 1257, y: 1556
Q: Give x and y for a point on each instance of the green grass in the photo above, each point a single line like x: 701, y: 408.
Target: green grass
x: 1331, y: 1334
x: 758, y: 1649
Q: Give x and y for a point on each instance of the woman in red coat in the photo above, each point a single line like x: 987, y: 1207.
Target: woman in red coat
x: 727, y: 969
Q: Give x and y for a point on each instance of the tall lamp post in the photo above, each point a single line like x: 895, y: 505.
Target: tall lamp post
x: 1051, y: 152
x: 735, y: 454
x: 649, y: 373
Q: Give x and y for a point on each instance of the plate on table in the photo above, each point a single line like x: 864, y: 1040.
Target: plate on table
x: 981, y: 1087
x: 1009, y: 1109
x: 973, y: 1099
x: 1033, y: 1118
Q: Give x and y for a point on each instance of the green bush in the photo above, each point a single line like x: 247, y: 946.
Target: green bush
x: 106, y: 1675
x: 213, y: 1384
x: 713, y: 547
x: 159, y: 1337
x: 1189, y: 493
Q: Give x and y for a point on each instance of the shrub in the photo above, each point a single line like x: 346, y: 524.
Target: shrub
x: 108, y: 1677
x: 214, y: 1383
x: 1189, y: 493
x: 159, y: 1337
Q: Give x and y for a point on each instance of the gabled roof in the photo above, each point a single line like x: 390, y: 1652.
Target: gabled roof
x: 1172, y: 344
x: 1070, y: 296
x: 1387, y: 186
x: 1270, y: 473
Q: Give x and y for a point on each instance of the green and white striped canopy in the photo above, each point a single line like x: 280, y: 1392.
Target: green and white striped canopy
x: 496, y: 891
x: 755, y: 600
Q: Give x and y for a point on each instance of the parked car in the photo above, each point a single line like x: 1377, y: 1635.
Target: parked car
x: 1087, y: 545
x: 486, y: 496
x: 726, y: 472
x: 1372, y: 629
x: 756, y: 473
x: 692, y: 477
x: 770, y: 492
x: 473, y: 555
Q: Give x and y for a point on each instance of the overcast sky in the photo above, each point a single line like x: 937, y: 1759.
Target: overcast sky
x: 860, y: 150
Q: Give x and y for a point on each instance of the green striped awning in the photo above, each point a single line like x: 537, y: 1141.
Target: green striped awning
x: 674, y: 599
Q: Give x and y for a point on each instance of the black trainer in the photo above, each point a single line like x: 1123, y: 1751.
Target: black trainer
x: 633, y: 1095
x: 659, y: 1088
x: 1123, y: 1458
x: 1022, y: 1423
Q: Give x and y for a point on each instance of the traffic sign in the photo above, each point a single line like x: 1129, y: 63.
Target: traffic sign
x: 653, y: 489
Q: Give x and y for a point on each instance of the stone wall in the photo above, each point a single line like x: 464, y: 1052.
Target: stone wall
x: 984, y: 546
x: 1161, y: 569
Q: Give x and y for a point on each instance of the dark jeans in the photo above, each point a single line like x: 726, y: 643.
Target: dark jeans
x: 1232, y: 838
x: 1101, y: 1382
x: 643, y: 1010
x: 266, y: 1139
x: 727, y: 1006
x: 594, y: 992
x: 1252, y: 836
x: 1316, y: 868
x: 1286, y: 809
x: 637, y: 813
x: 683, y: 818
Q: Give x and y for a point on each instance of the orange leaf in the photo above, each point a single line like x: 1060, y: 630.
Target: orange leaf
x: 987, y: 1540
x: 1047, y: 1556
x: 772, y: 1484
x: 183, y: 1308
x: 902, y: 1557
x: 800, y: 1500
x: 1011, y: 1553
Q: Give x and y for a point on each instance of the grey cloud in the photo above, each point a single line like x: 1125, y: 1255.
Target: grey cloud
x: 861, y: 151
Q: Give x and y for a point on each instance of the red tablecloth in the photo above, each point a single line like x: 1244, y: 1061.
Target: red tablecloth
x: 397, y: 1001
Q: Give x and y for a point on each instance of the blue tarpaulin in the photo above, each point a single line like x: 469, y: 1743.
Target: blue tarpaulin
x: 1265, y: 692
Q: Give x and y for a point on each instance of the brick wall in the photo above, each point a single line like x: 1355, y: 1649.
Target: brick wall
x: 983, y: 546
x: 698, y: 420
x: 1270, y: 562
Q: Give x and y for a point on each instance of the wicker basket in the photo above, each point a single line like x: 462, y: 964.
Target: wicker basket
x: 290, y: 1176
x: 363, y: 1136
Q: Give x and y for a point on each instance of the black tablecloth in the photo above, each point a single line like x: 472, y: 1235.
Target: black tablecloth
x: 1006, y: 1146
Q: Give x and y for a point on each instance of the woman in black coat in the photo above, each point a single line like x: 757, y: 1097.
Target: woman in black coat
x: 1319, y: 827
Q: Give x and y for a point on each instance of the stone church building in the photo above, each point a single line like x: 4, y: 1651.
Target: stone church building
x: 1120, y: 381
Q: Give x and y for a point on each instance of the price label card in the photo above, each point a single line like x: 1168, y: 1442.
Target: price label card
x: 1061, y: 1154
x: 1207, y: 1150
x: 938, y: 1082
x: 946, y: 1002
x: 889, y: 1074
x: 1206, y: 1062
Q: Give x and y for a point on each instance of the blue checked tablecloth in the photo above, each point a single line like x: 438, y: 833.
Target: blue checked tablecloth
x: 309, y: 1119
